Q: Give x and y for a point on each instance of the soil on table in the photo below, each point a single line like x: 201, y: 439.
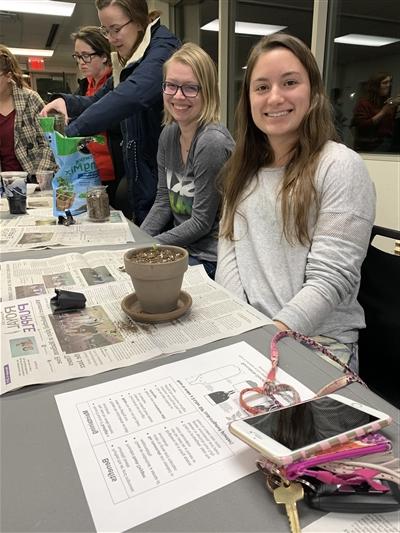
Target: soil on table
x: 156, y: 255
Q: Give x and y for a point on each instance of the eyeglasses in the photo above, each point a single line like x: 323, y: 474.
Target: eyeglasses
x: 113, y: 31
x: 190, y: 91
x: 86, y: 58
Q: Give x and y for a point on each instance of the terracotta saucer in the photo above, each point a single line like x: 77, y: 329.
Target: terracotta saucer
x: 131, y: 307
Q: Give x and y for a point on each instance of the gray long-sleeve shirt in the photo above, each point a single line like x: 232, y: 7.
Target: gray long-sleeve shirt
x: 187, y: 192
x: 312, y: 289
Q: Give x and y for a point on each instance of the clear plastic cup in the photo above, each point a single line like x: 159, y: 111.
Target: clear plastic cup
x: 44, y: 179
x: 14, y: 184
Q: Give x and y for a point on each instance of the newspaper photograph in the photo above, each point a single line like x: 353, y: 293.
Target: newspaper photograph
x: 40, y: 347
x: 23, y: 279
x: 39, y: 229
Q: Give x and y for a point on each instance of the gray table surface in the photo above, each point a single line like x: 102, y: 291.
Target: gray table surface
x: 40, y: 486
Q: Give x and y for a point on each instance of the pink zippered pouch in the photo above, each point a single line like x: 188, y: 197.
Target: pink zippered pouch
x: 366, y: 445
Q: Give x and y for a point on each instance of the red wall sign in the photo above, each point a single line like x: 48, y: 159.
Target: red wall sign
x: 35, y: 63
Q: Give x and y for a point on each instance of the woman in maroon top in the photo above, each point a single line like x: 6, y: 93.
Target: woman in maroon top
x: 23, y: 145
x: 374, y: 115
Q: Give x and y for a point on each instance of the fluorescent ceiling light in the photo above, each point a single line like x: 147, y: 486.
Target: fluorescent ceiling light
x: 365, y: 40
x: 38, y: 7
x: 31, y: 52
x: 247, y: 28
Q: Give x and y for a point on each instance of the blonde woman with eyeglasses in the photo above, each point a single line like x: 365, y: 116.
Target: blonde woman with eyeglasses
x: 131, y: 98
x: 193, y: 148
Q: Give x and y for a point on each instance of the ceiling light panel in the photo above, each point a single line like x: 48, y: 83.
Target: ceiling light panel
x: 38, y: 7
x: 31, y: 52
x: 246, y: 28
x: 365, y: 40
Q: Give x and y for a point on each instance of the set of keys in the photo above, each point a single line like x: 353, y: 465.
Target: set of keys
x: 287, y: 493
x: 330, y: 498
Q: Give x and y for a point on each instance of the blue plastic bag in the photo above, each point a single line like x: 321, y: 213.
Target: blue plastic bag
x: 77, y: 170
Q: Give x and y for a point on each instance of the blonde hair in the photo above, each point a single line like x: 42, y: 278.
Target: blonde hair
x: 253, y: 150
x: 204, y: 69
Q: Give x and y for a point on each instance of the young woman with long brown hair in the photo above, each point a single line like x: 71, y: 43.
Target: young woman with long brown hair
x: 298, y: 206
x: 23, y: 145
x: 374, y: 115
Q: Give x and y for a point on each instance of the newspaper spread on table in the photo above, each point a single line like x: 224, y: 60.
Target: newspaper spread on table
x: 36, y: 201
x: 38, y: 229
x: 40, y: 347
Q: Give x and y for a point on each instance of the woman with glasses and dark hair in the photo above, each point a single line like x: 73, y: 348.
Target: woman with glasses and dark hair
x: 192, y: 150
x: 131, y: 98
x: 22, y: 142
x: 298, y: 206
x: 92, y: 53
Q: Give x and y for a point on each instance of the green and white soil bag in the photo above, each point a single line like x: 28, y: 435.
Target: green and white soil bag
x: 77, y: 170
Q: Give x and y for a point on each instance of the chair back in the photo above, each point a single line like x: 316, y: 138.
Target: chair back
x: 379, y: 295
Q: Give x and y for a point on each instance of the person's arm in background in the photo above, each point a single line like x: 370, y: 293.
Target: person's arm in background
x: 339, y: 243
x: 72, y: 105
x: 211, y: 152
x: 44, y: 159
x: 160, y: 213
x: 365, y: 114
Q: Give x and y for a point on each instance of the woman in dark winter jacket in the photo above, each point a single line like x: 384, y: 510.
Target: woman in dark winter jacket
x: 132, y: 97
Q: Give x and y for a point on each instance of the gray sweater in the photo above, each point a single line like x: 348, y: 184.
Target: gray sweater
x: 312, y: 289
x: 187, y: 193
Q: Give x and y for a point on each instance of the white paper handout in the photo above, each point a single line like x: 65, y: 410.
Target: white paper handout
x: 162, y: 435
x: 356, y: 523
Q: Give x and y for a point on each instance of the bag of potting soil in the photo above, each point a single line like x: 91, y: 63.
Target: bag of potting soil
x: 77, y: 170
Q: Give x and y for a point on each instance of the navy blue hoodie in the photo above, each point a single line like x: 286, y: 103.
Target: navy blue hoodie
x: 133, y: 99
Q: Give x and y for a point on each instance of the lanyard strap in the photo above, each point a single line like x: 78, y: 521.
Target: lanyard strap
x: 270, y: 388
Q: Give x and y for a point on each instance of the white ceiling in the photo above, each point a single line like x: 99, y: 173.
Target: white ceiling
x: 369, y: 16
x: 32, y: 31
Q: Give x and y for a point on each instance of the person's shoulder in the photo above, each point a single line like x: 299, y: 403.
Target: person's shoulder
x: 32, y: 95
x: 161, y: 33
x: 341, y: 164
x: 168, y: 132
x: 340, y: 154
x: 215, y: 134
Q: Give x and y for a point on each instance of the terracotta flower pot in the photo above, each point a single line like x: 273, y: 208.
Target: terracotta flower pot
x: 157, y: 274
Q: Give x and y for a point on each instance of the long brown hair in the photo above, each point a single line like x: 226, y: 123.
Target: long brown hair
x: 9, y: 65
x: 374, y: 87
x: 137, y: 11
x: 253, y: 150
